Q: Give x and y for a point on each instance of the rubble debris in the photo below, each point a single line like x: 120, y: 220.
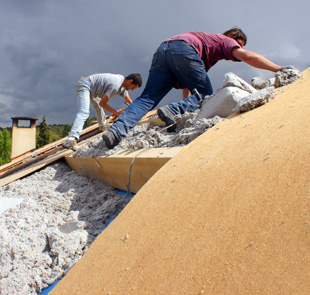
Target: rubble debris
x: 233, y: 80
x: 255, y: 100
x: 261, y: 83
x: 44, y: 236
x: 147, y: 136
x: 286, y: 76
x: 223, y: 102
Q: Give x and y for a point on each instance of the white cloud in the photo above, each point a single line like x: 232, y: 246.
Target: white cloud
x: 287, y: 51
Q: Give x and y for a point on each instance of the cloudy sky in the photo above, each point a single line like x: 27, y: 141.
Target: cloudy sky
x: 47, y: 45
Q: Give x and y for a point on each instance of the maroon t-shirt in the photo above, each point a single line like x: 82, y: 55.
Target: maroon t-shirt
x: 210, y: 47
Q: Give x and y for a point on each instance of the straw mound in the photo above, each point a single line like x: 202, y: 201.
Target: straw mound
x: 230, y: 214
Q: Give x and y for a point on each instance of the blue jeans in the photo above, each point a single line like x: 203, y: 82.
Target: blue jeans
x: 84, y: 98
x: 173, y: 62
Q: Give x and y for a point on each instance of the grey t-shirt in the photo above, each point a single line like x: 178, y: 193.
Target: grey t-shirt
x: 109, y: 84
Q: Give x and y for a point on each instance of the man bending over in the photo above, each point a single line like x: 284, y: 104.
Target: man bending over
x: 104, y: 87
x: 183, y: 62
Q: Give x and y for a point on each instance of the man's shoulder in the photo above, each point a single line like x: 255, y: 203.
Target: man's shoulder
x: 108, y: 78
x: 115, y: 79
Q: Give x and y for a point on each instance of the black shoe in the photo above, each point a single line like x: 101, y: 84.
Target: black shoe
x: 110, y: 139
x: 168, y: 118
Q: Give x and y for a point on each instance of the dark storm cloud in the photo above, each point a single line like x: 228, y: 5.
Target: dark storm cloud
x: 29, y: 7
x: 46, y: 46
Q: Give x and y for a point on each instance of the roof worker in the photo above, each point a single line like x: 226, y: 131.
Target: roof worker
x: 103, y: 86
x: 184, y: 60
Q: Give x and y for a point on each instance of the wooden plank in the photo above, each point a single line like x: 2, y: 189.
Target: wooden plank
x: 25, y: 171
x: 30, y: 162
x: 33, y: 154
x: 115, y: 170
x: 149, y: 114
x: 154, y: 120
x: 37, y: 164
x: 89, y: 131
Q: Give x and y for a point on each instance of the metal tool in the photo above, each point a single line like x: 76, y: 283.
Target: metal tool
x: 196, y: 93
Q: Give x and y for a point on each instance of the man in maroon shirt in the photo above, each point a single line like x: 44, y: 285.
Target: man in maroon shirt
x: 183, y: 62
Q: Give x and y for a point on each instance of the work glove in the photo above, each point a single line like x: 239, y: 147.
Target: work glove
x: 286, y: 75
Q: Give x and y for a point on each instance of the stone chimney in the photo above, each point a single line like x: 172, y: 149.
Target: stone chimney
x: 23, y: 137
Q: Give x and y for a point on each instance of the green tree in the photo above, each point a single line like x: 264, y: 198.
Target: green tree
x: 66, y: 130
x: 43, y: 137
x: 7, y: 143
x: 88, y: 121
x: 1, y: 148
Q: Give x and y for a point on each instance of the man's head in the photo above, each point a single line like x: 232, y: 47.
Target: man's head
x: 132, y: 81
x: 236, y: 34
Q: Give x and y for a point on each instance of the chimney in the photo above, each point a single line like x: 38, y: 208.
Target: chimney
x: 23, y: 137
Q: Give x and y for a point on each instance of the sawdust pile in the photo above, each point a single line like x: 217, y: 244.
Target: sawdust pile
x: 148, y: 135
x: 47, y: 233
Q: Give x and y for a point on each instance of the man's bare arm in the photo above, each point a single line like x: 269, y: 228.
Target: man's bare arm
x: 255, y: 60
x: 128, y: 99
x: 104, y: 104
x: 185, y: 93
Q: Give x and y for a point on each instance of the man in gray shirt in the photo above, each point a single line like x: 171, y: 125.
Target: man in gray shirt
x: 102, y: 87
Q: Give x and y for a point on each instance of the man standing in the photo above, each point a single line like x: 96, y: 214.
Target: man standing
x: 183, y: 62
x: 104, y: 87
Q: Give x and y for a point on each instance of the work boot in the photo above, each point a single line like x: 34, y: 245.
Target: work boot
x: 110, y: 140
x: 168, y: 118
x: 70, y: 144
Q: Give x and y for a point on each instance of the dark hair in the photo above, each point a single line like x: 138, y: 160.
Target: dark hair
x: 236, y: 33
x: 136, y: 79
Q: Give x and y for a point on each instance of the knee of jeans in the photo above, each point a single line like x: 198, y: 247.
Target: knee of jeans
x: 83, y: 113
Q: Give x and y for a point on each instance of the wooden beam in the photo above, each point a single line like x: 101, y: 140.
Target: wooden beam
x: 115, y: 170
x: 37, y: 159
x: 89, y: 131
x: 39, y: 162
x: 35, y: 166
x: 154, y: 120
x: 151, y: 118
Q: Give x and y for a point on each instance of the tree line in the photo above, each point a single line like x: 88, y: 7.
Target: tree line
x: 45, y: 134
x: 5, y: 146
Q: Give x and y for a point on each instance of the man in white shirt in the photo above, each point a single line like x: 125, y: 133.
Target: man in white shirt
x: 102, y: 86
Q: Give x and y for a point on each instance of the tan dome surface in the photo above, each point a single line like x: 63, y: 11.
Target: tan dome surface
x: 230, y: 214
